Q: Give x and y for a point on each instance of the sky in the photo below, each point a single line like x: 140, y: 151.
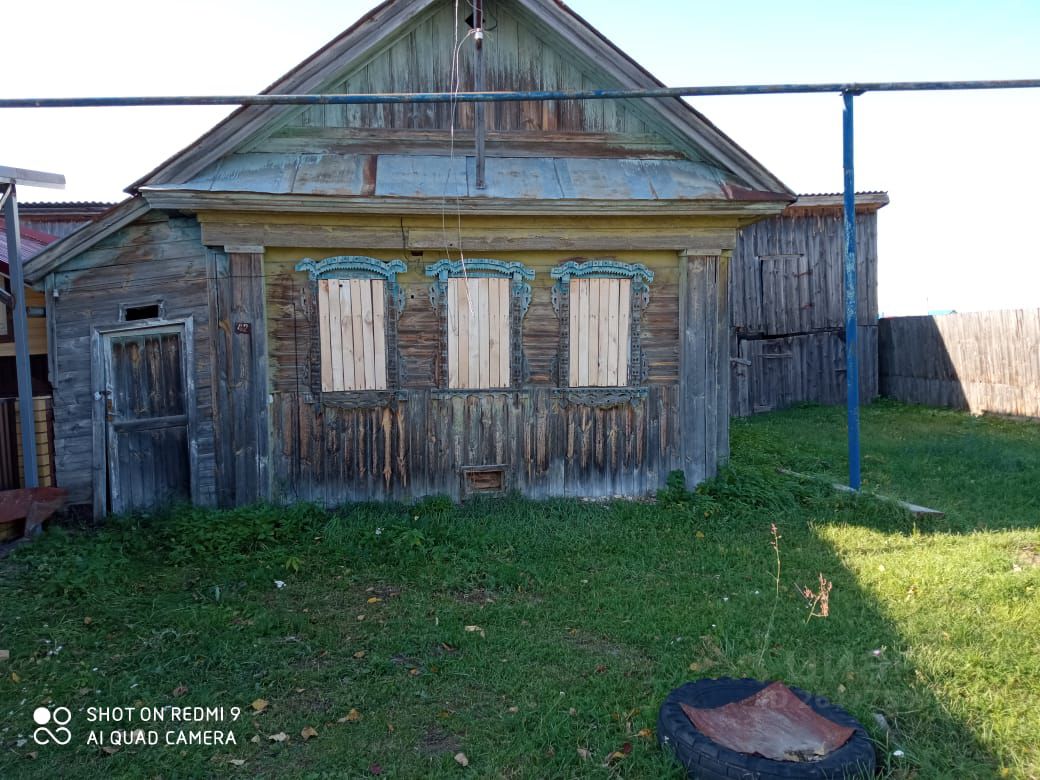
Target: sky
x: 961, y: 168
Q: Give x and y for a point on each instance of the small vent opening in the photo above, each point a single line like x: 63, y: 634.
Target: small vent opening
x: 485, y: 480
x: 149, y: 312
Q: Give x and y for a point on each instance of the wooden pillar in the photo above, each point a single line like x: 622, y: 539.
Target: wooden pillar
x: 240, y: 375
x: 704, y: 371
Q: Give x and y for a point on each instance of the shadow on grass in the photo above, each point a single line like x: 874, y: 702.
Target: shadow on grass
x: 982, y: 472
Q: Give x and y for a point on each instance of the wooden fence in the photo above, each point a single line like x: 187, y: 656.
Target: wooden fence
x: 11, y: 470
x: 982, y: 361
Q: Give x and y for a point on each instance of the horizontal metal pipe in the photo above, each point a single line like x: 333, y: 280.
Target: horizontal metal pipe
x: 505, y: 97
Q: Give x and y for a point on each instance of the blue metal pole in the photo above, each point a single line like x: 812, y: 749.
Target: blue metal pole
x: 851, y: 300
x: 21, y: 339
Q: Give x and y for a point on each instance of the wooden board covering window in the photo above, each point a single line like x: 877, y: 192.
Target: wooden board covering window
x: 352, y: 314
x: 478, y: 333
x: 599, y: 332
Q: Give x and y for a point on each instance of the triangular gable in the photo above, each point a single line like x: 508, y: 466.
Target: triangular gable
x: 363, y: 59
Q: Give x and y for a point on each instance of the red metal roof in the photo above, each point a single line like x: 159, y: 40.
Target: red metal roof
x: 33, y: 241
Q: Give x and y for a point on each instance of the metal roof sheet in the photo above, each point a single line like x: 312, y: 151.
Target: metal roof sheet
x: 440, y: 176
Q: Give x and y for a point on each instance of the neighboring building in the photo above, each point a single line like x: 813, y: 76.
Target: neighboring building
x: 787, y: 305
x: 281, y: 310
x: 60, y: 218
x: 11, y: 474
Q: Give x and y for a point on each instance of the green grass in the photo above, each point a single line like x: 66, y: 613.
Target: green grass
x: 587, y: 615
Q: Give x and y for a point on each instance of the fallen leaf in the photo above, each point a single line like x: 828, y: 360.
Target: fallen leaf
x: 237, y: 761
x: 476, y: 630
x: 601, y: 669
x: 572, y: 712
x: 414, y: 672
x: 374, y: 600
x: 109, y: 750
x: 645, y: 733
x: 259, y: 705
x: 309, y: 732
x: 351, y: 717
x: 255, y: 740
x: 390, y: 728
x: 360, y: 654
x: 461, y: 760
x: 700, y: 534
x: 32, y: 754
x: 281, y: 736
x: 375, y: 769
x: 584, y: 753
x: 5, y: 655
x: 551, y: 752
x: 360, y: 618
x: 513, y: 710
x: 179, y: 691
x: 88, y: 620
x: 15, y: 677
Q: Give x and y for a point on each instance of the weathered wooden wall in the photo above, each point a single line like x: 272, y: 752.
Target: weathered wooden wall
x: 787, y: 311
x: 979, y: 361
x: 158, y: 257
x: 551, y: 441
x: 238, y: 362
x: 517, y: 58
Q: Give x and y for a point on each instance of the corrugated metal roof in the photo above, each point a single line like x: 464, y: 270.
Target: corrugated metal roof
x: 64, y: 205
x: 439, y: 176
x: 33, y: 242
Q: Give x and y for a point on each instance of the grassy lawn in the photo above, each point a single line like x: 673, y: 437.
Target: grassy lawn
x: 538, y: 639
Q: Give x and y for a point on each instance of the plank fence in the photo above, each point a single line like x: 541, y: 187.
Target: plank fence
x: 979, y: 361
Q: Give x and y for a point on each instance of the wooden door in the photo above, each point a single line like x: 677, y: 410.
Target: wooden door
x: 146, y: 418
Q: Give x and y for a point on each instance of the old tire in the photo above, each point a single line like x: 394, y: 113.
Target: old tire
x: 707, y: 760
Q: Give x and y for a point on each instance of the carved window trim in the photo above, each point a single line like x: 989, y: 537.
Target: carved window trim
x: 519, y: 302
x: 602, y: 268
x: 357, y: 267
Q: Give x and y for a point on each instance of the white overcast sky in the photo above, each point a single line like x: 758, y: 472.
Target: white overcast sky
x: 962, y: 168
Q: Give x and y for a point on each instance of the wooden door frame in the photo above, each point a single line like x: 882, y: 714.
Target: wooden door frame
x: 98, y: 381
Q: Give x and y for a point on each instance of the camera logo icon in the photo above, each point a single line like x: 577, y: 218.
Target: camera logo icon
x: 60, y: 718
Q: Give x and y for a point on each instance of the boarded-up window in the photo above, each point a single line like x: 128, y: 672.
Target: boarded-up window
x: 600, y: 312
x: 352, y: 323
x: 478, y: 332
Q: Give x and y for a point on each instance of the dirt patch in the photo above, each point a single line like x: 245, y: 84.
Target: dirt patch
x: 1029, y: 556
x: 437, y: 742
x: 478, y: 596
x: 601, y: 647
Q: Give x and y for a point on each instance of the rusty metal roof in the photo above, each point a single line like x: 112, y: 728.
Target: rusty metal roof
x: 33, y: 242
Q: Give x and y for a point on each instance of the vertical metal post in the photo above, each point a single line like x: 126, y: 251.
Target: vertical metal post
x: 480, y: 109
x: 21, y: 339
x: 851, y: 298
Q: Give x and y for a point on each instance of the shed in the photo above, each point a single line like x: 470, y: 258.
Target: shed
x: 326, y: 303
x: 787, y: 305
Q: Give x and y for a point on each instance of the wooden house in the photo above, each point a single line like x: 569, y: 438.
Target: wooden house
x: 334, y: 303
x: 787, y: 305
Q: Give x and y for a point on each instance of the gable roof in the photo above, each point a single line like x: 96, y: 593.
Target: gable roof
x: 675, y: 119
